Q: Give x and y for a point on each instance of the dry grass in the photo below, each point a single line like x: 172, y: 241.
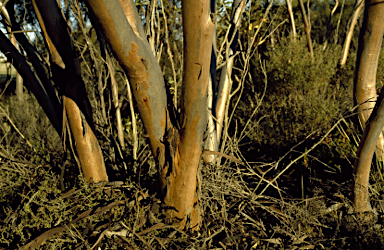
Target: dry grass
x: 122, y: 215
x: 279, y: 204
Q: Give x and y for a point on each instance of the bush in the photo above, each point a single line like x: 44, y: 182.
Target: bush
x: 302, y: 96
x: 35, y: 135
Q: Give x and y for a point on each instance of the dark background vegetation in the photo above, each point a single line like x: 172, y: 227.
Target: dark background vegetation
x: 286, y: 104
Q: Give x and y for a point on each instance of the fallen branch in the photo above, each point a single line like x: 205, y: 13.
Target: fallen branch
x: 48, y: 234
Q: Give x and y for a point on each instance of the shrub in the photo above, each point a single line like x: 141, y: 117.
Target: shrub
x: 302, y: 95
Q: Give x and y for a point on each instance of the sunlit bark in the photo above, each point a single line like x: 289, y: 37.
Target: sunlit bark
x: 365, y: 93
x: 225, y: 85
x: 291, y: 18
x: 122, y: 28
x: 348, y: 39
x: 66, y: 73
x: 211, y: 142
x: 177, y: 152
x: 364, y: 157
x: 366, y: 66
x: 307, y: 27
x: 198, y: 30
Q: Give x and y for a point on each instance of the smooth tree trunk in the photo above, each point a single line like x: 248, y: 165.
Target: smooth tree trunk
x: 351, y: 28
x: 225, y: 85
x: 365, y: 93
x: 19, y: 87
x: 176, y: 142
x: 370, y: 42
x: 364, y: 157
x: 123, y: 29
x: 307, y: 28
x: 198, y: 30
x: 66, y: 73
x: 292, y: 19
x: 217, y: 103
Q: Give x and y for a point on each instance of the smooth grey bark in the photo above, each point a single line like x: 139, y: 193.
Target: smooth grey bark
x: 126, y: 36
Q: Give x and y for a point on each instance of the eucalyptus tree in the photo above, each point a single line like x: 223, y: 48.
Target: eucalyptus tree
x: 370, y: 43
x: 352, y: 23
x: 176, y: 130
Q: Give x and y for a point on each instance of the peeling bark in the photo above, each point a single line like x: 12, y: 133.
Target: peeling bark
x: 131, y: 48
x: 181, y: 191
x: 177, y: 152
x: 87, y: 146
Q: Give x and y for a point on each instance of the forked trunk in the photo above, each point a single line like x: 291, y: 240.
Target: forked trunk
x: 176, y: 143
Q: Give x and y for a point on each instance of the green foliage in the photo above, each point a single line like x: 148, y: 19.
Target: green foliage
x: 28, y: 200
x: 320, y: 12
x: 301, y: 96
x: 32, y: 203
x: 32, y: 123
